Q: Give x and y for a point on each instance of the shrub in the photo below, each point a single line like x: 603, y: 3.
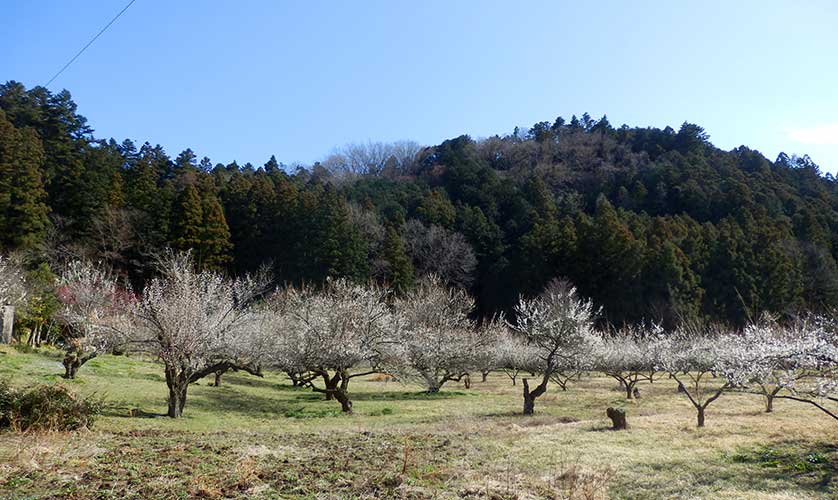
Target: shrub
x: 45, y: 407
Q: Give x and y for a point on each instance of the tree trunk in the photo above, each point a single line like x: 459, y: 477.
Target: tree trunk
x: 466, y: 381
x: 529, y: 400
x: 431, y: 382
x: 73, y: 361
x: 484, y: 376
x: 700, y: 416
x: 769, y: 402
x: 334, y: 391
x: 344, y: 381
x: 629, y: 386
x: 178, y: 383
x: 531, y: 396
x: 71, y: 365
x: 218, y: 375
x: 618, y: 418
x: 343, y: 399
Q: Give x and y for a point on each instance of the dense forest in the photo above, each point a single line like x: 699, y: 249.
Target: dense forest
x: 651, y: 224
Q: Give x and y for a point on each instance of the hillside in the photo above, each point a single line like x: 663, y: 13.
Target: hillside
x: 652, y: 224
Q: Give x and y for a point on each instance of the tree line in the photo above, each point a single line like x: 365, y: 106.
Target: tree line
x: 650, y: 224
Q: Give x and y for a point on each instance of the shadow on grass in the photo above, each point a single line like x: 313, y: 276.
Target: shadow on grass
x: 406, y: 395
x: 245, y: 380
x: 810, y: 466
x: 122, y: 411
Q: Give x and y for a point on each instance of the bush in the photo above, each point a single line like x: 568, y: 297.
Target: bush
x: 45, y: 407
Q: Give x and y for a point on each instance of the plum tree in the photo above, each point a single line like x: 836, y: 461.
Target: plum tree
x: 324, y: 334
x: 93, y: 307
x: 560, y: 326
x: 435, y: 340
x: 194, y: 322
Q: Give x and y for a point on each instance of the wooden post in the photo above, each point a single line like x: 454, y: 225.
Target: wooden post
x: 7, y: 322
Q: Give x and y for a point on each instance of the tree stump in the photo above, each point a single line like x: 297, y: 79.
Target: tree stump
x: 618, y: 418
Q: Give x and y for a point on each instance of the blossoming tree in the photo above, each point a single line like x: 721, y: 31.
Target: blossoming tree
x: 560, y: 326
x: 93, y: 307
x: 435, y: 340
x: 195, y: 322
x: 325, y: 334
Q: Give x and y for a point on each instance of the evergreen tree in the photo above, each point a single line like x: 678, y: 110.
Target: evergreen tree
x: 23, y: 211
x: 399, y: 266
x: 215, y: 246
x: 188, y: 222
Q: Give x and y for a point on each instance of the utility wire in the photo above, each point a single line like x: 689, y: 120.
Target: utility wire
x: 89, y: 43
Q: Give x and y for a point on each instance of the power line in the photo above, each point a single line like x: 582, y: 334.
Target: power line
x: 89, y: 43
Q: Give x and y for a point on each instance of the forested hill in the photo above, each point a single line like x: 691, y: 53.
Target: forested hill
x: 653, y: 224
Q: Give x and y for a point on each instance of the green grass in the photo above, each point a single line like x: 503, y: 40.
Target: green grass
x: 261, y: 438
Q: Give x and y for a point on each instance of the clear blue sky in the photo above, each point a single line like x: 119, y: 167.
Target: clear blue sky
x: 246, y: 79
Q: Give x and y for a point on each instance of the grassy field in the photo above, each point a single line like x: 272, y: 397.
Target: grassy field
x: 261, y: 438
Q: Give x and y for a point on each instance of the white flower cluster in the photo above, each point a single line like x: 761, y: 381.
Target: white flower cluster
x: 12, y: 283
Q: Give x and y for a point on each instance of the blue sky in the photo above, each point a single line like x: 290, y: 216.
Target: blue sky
x: 246, y: 79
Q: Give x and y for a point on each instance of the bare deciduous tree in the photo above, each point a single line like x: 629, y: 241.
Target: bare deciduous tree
x: 373, y: 158
x: 440, y: 252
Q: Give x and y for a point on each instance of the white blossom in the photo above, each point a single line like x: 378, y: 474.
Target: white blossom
x: 13, y: 289
x: 328, y: 332
x: 435, y: 339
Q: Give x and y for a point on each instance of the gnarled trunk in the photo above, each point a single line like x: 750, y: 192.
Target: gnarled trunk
x: 178, y: 384
x: 343, y: 399
x: 531, y: 396
x: 431, y: 383
x: 769, y: 397
x: 334, y: 389
x: 73, y: 361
